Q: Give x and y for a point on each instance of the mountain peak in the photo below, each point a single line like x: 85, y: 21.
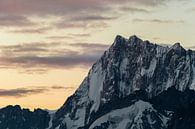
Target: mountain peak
x: 119, y: 40
x: 135, y: 39
x: 177, y: 46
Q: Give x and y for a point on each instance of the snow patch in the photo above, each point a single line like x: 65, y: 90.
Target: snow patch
x: 96, y: 86
x: 51, y: 113
x: 192, y: 87
x: 123, y: 117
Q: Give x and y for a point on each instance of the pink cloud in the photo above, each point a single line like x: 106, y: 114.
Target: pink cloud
x: 60, y: 7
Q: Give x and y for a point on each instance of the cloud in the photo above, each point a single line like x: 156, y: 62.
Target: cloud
x: 70, y: 36
x: 15, y: 20
x: 41, y: 57
x: 80, y: 35
x: 60, y: 37
x: 49, y: 7
x: 18, y: 12
x: 190, y: 10
x: 32, y: 30
x: 148, y: 2
x: 79, y: 14
x: 91, y: 18
x: 91, y: 48
x: 134, y: 10
x: 63, y: 88
x: 34, y: 47
x: 90, y: 45
x: 192, y: 47
x: 83, y: 22
x: 66, y: 61
x: 20, y: 92
x: 33, y: 90
x: 65, y: 25
x: 61, y: 7
x: 193, y: 9
x: 137, y: 20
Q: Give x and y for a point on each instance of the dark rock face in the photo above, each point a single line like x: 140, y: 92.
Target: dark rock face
x: 13, y: 117
x: 134, y: 85
x: 181, y: 104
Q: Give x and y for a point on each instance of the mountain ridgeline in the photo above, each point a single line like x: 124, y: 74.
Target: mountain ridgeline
x: 134, y: 85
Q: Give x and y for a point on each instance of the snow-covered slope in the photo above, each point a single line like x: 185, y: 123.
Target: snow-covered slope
x: 138, y: 115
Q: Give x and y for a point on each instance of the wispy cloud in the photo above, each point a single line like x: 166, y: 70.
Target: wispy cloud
x: 70, y: 36
x: 17, y: 13
x: 65, y: 25
x: 158, y: 21
x: 31, y: 30
x: 60, y: 37
x: 88, y: 18
x: 50, y: 7
x: 134, y: 10
x: 80, y: 35
x: 41, y: 57
x: 15, y: 20
x: 192, y: 47
x: 190, y: 10
x: 85, y: 22
x: 32, y: 90
x: 91, y: 47
x: 66, y: 61
x: 20, y: 92
x: 62, y: 88
x: 27, y: 47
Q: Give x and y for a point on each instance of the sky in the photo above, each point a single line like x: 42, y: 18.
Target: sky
x: 48, y: 46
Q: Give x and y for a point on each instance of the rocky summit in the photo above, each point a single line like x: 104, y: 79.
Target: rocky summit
x: 136, y: 84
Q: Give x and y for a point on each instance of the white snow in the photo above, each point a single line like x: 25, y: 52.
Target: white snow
x: 169, y: 83
x: 161, y: 50
x: 74, y: 124
x: 192, y: 87
x: 50, y: 123
x: 124, y: 89
x: 150, y: 71
x: 124, y: 64
x: 96, y: 85
x: 57, y: 127
x: 164, y: 119
x: 125, y: 116
x: 51, y: 113
x: 151, y: 122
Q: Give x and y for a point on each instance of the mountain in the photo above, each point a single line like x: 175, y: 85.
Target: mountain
x: 13, y: 117
x: 134, y: 85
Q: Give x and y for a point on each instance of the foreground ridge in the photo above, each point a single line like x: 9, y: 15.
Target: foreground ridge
x: 136, y: 84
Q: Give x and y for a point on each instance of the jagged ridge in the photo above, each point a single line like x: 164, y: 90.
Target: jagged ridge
x: 13, y: 117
